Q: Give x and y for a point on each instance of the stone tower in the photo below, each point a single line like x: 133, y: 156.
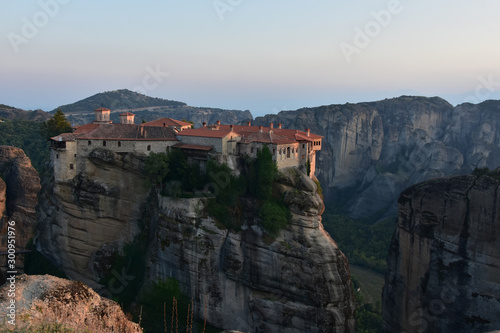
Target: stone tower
x: 102, y: 116
x: 127, y: 118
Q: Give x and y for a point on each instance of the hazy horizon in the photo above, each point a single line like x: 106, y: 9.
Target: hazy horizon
x: 264, y: 57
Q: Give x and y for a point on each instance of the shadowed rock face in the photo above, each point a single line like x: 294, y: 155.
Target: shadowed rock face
x: 18, y: 197
x: 373, y: 151
x: 443, y: 263
x: 299, y: 283
x: 101, y: 206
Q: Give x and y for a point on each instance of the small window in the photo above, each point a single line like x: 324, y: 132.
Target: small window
x: 149, y: 147
x: 274, y: 151
x: 303, y: 146
x: 71, y: 166
x: 251, y: 150
x: 303, y: 157
x: 119, y: 144
x: 104, y: 143
x: 168, y: 149
x: 89, y: 142
x: 75, y: 155
x: 57, y: 155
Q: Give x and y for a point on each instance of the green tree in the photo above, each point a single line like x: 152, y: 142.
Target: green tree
x: 156, y: 169
x: 56, y: 125
x: 266, y: 170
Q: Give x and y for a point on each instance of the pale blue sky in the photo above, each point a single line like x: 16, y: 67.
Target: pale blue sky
x: 264, y: 56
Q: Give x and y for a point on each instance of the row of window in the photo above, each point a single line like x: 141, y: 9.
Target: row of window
x: 317, y: 143
x: 119, y: 145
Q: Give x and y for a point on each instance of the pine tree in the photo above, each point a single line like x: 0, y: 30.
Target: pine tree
x: 56, y: 125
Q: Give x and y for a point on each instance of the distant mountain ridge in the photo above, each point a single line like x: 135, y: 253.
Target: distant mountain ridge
x: 11, y: 113
x: 147, y: 108
x: 122, y: 99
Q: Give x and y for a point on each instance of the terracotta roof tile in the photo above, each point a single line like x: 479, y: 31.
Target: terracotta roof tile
x: 127, y: 114
x: 118, y: 132
x: 166, y: 122
x: 102, y: 109
x: 207, y: 133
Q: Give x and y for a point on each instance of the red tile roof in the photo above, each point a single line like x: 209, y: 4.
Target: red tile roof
x: 279, y: 135
x: 127, y: 114
x: 118, y: 132
x: 102, y: 109
x: 166, y: 122
x: 207, y: 133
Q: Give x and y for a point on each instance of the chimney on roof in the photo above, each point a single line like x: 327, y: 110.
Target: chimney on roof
x: 260, y: 129
x: 271, y: 125
x: 218, y: 122
x: 164, y: 124
x: 279, y: 125
x: 231, y: 127
x: 249, y: 123
x: 142, y: 130
x: 204, y: 124
x: 308, y: 131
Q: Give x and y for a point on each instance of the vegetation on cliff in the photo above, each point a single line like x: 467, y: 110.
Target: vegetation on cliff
x: 27, y: 136
x: 177, y: 178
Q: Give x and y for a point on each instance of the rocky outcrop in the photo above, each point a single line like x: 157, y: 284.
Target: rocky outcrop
x: 41, y: 301
x: 18, y: 198
x: 373, y: 151
x: 443, y: 262
x: 299, y: 282
x: 101, y: 206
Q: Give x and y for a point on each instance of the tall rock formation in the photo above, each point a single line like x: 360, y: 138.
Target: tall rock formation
x: 373, y: 151
x: 18, y: 197
x: 97, y: 209
x: 443, y: 262
x: 299, y: 282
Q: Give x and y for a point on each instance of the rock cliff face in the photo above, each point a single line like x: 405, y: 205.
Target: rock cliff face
x: 18, y: 196
x: 298, y: 283
x: 97, y: 209
x: 373, y: 151
x: 443, y: 262
x: 47, y: 300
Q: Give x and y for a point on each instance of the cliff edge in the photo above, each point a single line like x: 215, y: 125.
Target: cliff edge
x: 443, y: 262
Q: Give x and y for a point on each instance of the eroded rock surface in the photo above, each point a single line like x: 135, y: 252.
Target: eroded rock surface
x: 44, y: 299
x: 19, y: 186
x: 373, y: 151
x: 101, y: 206
x: 444, y: 264
x: 298, y: 283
